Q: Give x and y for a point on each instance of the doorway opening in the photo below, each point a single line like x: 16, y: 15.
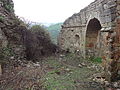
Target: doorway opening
x: 92, y: 37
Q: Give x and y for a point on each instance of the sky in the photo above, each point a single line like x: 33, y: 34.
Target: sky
x: 48, y: 11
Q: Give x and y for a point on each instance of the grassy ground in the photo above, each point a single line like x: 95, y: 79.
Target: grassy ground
x: 61, y: 73
x: 66, y: 74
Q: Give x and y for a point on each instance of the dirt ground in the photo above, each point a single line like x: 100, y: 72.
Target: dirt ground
x: 54, y: 73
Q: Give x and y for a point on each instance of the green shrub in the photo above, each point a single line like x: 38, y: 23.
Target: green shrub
x: 1, y: 18
x: 5, y: 53
x: 38, y: 43
x: 96, y: 59
x: 9, y: 7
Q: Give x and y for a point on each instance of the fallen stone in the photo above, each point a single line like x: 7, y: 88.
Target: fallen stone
x: 37, y: 65
x: 80, y: 65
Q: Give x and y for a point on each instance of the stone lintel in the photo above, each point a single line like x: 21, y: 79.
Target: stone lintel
x: 73, y: 26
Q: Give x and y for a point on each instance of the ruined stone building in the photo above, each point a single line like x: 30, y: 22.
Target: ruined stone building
x: 95, y: 31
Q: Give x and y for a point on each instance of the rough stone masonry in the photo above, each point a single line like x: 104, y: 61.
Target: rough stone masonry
x: 95, y: 31
x: 11, y: 32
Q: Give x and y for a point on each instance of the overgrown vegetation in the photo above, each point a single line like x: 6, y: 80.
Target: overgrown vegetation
x: 5, y: 53
x: 64, y: 76
x: 96, y: 59
x: 38, y: 43
x: 53, y: 75
x: 66, y: 72
x: 8, y: 6
x: 1, y: 18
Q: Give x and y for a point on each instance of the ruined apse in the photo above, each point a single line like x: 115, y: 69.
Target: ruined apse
x: 95, y: 31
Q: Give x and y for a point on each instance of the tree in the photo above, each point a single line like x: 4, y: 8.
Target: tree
x: 38, y: 43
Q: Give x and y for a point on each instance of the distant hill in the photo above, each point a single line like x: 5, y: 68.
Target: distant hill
x: 54, y: 30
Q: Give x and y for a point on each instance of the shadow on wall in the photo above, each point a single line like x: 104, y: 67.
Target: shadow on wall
x: 92, y: 37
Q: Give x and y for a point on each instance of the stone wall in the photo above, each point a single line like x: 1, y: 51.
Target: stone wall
x: 11, y: 28
x: 92, y: 32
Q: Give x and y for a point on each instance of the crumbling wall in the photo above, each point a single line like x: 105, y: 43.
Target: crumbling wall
x: 102, y: 10
x: 11, y: 28
x: 97, y: 30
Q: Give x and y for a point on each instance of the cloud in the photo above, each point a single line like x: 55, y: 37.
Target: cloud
x: 49, y: 11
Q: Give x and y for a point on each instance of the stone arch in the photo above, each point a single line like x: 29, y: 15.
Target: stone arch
x: 92, y: 37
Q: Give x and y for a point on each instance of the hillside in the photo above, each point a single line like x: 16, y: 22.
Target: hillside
x: 54, y: 31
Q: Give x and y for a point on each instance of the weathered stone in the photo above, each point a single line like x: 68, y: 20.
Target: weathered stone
x: 3, y: 40
x: 93, y: 35
x: 11, y: 30
x: 118, y: 7
x: 111, y: 4
x: 118, y: 2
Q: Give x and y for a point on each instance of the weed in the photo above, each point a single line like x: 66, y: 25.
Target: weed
x: 61, y: 79
x: 1, y: 18
x: 5, y: 53
x: 9, y: 7
x: 96, y: 59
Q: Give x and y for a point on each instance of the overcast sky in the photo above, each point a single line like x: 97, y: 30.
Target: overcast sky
x: 48, y: 11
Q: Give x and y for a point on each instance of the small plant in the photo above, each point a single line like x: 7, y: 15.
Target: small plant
x: 96, y: 59
x: 5, y: 53
x: 1, y: 18
x: 9, y: 7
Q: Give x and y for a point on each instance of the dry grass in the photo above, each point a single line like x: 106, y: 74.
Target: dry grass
x: 22, y: 78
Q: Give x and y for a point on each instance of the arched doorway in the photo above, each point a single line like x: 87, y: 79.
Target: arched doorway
x: 92, y: 37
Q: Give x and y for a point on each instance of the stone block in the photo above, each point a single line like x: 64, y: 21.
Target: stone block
x: 107, y: 12
x: 113, y: 17
x: 105, y: 6
x: 111, y: 4
x: 108, y: 18
x: 113, y: 10
x: 118, y: 7
x: 118, y: 2
x: 102, y: 19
